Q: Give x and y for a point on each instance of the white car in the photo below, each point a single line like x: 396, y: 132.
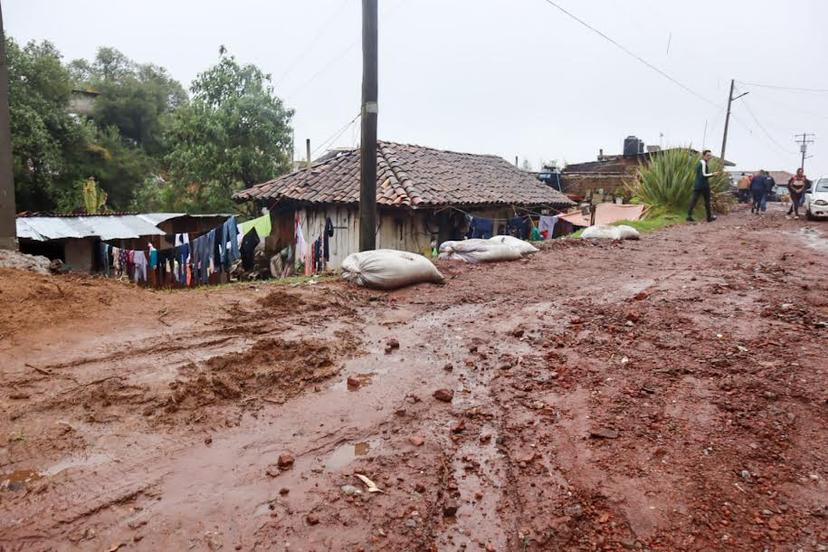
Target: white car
x: 816, y: 199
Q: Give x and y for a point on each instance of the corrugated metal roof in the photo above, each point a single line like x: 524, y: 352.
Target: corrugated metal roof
x: 105, y: 227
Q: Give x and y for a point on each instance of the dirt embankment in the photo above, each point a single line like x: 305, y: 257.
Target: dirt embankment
x: 661, y: 395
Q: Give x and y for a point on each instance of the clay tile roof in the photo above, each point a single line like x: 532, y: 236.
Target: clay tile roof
x: 411, y: 176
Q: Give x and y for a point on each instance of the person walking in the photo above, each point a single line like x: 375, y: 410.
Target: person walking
x: 701, y: 187
x: 743, y: 187
x: 770, y: 184
x: 796, y: 186
x: 757, y: 191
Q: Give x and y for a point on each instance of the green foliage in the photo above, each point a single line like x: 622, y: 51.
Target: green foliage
x: 666, y: 182
x: 145, y: 144
x: 44, y: 135
x: 136, y: 99
x: 234, y: 133
x: 94, y: 199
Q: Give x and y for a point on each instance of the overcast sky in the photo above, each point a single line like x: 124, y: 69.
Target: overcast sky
x: 511, y: 78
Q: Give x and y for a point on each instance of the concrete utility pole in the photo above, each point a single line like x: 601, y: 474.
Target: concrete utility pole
x: 730, y: 99
x: 308, y: 152
x: 368, y: 147
x: 803, y: 140
x: 8, y: 224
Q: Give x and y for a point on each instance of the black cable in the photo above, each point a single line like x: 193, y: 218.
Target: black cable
x: 790, y: 88
x: 631, y: 53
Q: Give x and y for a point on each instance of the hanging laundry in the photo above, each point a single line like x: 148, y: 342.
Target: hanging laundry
x: 229, y: 244
x: 301, y: 244
x: 139, y: 260
x: 183, y: 257
x: 130, y: 263
x: 481, y: 228
x: 329, y: 232
x: 547, y: 226
x: 104, y: 258
x: 263, y: 226
x: 248, y: 248
x: 519, y: 227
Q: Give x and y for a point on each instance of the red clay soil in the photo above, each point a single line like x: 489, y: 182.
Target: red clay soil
x: 667, y: 394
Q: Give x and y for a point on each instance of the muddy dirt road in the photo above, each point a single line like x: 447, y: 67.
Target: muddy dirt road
x: 668, y: 394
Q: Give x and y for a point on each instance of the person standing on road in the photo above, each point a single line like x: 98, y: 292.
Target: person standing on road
x: 701, y: 187
x: 744, y: 188
x: 757, y: 191
x: 770, y: 184
x: 796, y: 187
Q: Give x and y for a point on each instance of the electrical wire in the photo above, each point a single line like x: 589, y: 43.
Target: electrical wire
x: 789, y: 88
x: 794, y: 109
x: 763, y: 129
x: 336, y: 135
x: 313, y: 42
x: 631, y: 53
x: 348, y: 49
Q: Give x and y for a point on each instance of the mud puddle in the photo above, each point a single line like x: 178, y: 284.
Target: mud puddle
x: 813, y: 239
x: 348, y: 452
x: 18, y: 480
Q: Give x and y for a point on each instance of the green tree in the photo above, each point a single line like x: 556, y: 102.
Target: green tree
x: 44, y: 134
x: 136, y: 98
x: 234, y: 133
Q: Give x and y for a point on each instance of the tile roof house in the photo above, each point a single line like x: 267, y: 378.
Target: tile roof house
x: 423, y: 195
x: 413, y: 177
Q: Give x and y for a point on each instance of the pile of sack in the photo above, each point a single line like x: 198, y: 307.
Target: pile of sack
x: 607, y: 232
x: 495, y: 249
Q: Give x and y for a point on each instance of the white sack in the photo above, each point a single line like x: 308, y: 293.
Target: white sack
x: 524, y: 247
x: 478, y: 251
x: 607, y: 232
x: 389, y: 269
x: 627, y: 232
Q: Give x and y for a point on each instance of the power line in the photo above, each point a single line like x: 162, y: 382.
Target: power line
x: 792, y: 108
x: 390, y: 11
x: 763, y: 129
x: 334, y: 137
x: 313, y: 42
x: 790, y: 88
x: 630, y: 52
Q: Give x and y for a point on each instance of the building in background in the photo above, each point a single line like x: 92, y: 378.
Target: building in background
x: 424, y: 196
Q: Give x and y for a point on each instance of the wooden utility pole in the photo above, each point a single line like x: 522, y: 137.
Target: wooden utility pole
x: 368, y: 147
x: 8, y: 225
x: 730, y: 99
x: 803, y: 140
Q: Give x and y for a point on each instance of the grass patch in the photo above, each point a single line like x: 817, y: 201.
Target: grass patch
x: 654, y: 220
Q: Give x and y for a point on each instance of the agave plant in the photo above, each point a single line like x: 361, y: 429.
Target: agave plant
x: 665, y: 183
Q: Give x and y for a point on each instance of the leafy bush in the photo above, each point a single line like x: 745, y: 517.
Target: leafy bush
x: 666, y: 182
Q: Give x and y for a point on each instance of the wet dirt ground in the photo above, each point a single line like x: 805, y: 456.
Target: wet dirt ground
x: 667, y: 394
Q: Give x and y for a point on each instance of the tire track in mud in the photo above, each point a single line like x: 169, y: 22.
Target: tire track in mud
x: 234, y: 373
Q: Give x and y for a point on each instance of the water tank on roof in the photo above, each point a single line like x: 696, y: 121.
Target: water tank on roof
x: 633, y: 146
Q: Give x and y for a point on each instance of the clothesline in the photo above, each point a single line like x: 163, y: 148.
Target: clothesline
x: 525, y: 212
x: 188, y: 262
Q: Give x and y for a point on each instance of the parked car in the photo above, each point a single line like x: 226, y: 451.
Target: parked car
x: 816, y: 199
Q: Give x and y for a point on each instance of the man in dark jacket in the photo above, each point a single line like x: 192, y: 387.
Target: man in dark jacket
x: 701, y: 187
x: 758, y: 190
x: 770, y: 184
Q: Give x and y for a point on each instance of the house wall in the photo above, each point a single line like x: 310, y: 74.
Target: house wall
x: 78, y: 254
x: 404, y: 230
